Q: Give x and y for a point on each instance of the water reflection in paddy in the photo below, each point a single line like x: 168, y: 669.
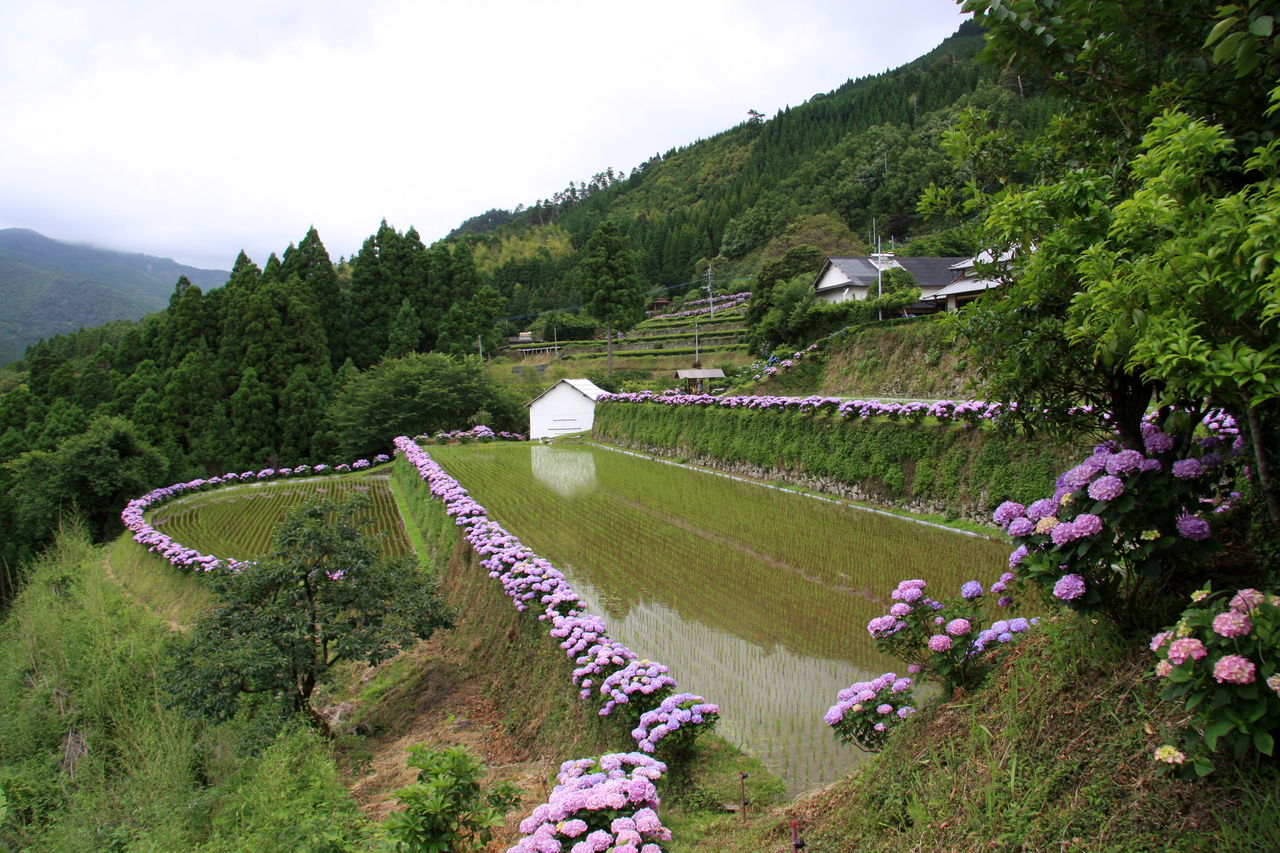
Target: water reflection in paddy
x: 755, y: 598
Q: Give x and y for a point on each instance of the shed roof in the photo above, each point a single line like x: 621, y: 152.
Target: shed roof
x: 964, y: 285
x: 585, y: 387
x: 701, y: 373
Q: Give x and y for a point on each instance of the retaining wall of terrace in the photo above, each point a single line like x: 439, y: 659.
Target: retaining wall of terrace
x: 958, y: 469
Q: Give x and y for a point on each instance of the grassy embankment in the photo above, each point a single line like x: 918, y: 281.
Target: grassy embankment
x: 91, y: 758
x: 951, y: 470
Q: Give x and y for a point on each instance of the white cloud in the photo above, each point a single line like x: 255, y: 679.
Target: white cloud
x: 195, y: 133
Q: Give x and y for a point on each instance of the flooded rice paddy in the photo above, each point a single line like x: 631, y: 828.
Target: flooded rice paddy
x: 756, y: 598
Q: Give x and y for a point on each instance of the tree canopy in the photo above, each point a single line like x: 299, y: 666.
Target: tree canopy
x: 323, y: 594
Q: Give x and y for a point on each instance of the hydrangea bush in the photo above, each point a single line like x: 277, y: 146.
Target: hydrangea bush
x: 867, y: 712
x: 947, y: 640
x: 1222, y: 661
x: 1123, y: 521
x: 675, y: 723
x: 604, y: 804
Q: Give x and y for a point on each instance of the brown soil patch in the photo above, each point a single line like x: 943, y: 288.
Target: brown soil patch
x: 442, y: 706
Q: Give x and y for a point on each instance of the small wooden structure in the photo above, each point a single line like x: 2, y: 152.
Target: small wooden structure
x: 568, y: 406
x: 693, y: 379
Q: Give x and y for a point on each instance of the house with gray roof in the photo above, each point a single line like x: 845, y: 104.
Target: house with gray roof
x: 845, y: 278
x: 945, y: 283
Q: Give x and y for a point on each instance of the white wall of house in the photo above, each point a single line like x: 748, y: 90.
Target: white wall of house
x: 835, y: 286
x: 561, y: 410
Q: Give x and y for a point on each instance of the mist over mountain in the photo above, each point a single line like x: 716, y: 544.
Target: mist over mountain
x: 50, y: 287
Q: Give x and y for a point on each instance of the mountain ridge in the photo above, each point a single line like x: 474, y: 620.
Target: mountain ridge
x: 51, y: 286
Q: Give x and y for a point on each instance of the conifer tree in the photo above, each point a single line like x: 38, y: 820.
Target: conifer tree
x: 611, y: 284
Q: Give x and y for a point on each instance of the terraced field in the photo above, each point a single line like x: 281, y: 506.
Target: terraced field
x: 754, y: 597
x: 237, y: 522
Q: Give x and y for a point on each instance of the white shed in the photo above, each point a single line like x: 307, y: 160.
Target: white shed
x: 568, y: 406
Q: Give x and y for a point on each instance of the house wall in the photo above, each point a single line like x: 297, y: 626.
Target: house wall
x: 563, y: 409
x: 828, y: 287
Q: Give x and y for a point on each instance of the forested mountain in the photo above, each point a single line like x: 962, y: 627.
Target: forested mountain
x: 49, y: 287
x: 828, y: 170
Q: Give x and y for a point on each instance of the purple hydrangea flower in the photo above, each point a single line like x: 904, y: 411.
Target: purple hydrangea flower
x: 1087, y: 524
x: 939, y: 643
x: 1157, y: 441
x: 1069, y: 587
x: 1021, y: 527
x: 1042, y: 508
x: 1188, y: 469
x: 971, y: 589
x: 1124, y: 462
x: 1007, y: 512
x: 958, y: 627
x: 1193, y: 527
x: 1106, y: 488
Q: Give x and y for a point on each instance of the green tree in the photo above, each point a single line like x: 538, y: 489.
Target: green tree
x: 611, y: 283
x: 445, y: 810
x: 95, y: 473
x: 252, y: 413
x: 418, y: 393
x: 406, y: 331
x: 322, y: 595
x: 1142, y: 269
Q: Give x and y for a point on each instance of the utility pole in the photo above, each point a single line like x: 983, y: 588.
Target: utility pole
x: 710, y: 297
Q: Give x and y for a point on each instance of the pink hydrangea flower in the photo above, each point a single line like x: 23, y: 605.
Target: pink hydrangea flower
x: 1232, y: 623
x: 1186, y: 648
x: 1234, y: 669
x: 1246, y: 599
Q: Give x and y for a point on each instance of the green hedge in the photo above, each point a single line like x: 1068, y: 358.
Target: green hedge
x: 957, y: 469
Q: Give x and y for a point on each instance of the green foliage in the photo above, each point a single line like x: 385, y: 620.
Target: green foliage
x: 90, y: 760
x: 289, y: 797
x: 445, y: 811
x: 322, y: 595
x: 418, y: 393
x: 97, y: 472
x: 968, y: 470
x: 612, y: 285
x: 1220, y: 662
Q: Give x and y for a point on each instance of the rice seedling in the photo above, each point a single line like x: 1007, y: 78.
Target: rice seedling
x: 755, y: 598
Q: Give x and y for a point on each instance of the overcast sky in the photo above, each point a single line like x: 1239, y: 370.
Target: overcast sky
x: 193, y: 133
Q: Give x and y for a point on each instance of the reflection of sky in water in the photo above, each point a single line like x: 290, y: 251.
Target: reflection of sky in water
x: 771, y: 700
x: 566, y: 472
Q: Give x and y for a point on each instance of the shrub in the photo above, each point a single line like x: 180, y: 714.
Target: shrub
x: 867, y: 712
x: 1122, y: 524
x: 1222, y: 660
x: 942, y: 638
x: 445, y: 810
x: 607, y: 803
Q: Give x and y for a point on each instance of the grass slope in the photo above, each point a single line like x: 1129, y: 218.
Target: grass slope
x: 1053, y: 753
x: 92, y: 759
